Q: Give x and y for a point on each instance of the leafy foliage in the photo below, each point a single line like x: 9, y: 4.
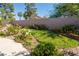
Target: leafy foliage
x: 69, y: 28
x: 24, y: 36
x: 20, y: 15
x: 2, y: 33
x: 12, y: 30
x: 6, y: 10
x: 46, y: 49
x: 66, y: 9
x: 30, y: 10
x: 9, y: 30
x: 38, y: 27
x: 76, y: 32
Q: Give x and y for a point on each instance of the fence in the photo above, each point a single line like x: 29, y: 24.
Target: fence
x: 53, y: 23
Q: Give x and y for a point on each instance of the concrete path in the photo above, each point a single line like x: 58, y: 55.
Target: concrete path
x: 9, y: 47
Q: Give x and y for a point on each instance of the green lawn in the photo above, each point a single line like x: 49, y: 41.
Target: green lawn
x: 44, y: 36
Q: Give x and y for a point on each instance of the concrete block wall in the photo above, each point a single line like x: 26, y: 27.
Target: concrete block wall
x: 53, y: 23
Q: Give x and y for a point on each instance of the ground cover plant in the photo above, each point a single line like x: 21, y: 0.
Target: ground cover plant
x: 24, y: 36
x: 46, y: 49
x: 44, y: 36
x: 9, y: 30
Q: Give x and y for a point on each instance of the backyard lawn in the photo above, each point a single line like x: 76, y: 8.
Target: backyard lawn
x: 39, y: 42
x: 44, y: 36
x: 36, y: 32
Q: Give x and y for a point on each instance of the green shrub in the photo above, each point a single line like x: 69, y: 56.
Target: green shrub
x: 38, y: 27
x: 2, y: 33
x: 56, y: 30
x: 25, y: 31
x: 11, y: 30
x: 24, y: 35
x: 46, y: 49
x: 68, y: 28
x: 77, y: 32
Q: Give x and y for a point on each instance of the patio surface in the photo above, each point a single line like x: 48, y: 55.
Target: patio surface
x: 8, y: 47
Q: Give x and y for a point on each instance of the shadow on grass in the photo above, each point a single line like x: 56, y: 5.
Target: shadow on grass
x: 53, y: 34
x: 46, y: 33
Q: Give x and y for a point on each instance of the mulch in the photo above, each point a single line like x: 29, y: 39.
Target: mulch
x: 71, y: 35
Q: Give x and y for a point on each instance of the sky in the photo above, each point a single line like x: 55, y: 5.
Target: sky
x: 42, y: 9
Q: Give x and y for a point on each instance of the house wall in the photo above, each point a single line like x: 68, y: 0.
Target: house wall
x: 53, y: 23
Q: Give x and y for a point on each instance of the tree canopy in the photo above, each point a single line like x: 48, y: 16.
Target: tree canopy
x: 65, y: 9
x: 20, y: 14
x: 30, y: 10
x: 6, y: 11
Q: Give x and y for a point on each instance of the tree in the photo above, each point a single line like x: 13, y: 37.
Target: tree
x: 6, y: 11
x: 30, y: 10
x: 65, y: 9
x: 20, y: 15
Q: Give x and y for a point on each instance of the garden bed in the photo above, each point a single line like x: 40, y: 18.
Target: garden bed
x: 71, y: 35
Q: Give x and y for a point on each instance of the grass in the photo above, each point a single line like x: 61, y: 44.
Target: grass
x: 44, y: 36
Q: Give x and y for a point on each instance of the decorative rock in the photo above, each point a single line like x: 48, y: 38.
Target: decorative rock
x: 70, y: 51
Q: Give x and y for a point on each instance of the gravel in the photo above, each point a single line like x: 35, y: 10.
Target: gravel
x: 71, y: 51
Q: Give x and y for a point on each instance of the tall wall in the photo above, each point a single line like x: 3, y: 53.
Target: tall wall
x: 53, y: 23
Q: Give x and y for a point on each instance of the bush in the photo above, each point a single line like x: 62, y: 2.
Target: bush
x: 11, y: 30
x: 2, y: 33
x: 38, y: 27
x: 68, y: 28
x: 56, y: 30
x: 45, y: 50
x: 24, y: 35
x: 77, y: 32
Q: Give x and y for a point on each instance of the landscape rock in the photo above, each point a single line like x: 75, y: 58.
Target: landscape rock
x: 70, y: 51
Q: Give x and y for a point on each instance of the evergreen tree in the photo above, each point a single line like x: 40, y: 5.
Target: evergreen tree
x: 65, y: 9
x: 30, y: 10
x: 6, y: 11
x: 20, y: 15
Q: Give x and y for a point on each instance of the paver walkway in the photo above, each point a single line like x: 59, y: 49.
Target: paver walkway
x: 9, y: 47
